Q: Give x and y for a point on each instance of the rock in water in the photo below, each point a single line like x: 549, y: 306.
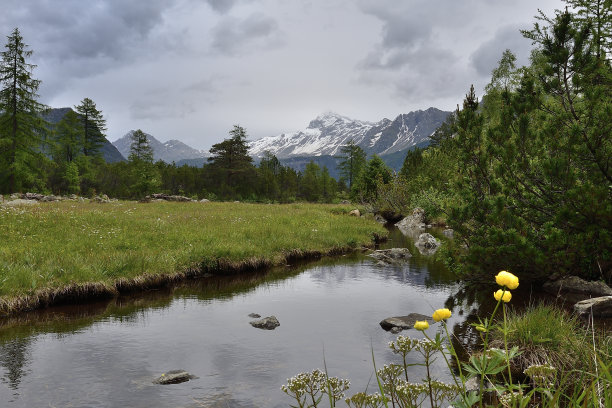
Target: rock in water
x: 393, y: 256
x: 174, y: 377
x: 399, y: 323
x: 414, y: 221
x: 254, y: 315
x: 427, y: 244
x: 267, y: 323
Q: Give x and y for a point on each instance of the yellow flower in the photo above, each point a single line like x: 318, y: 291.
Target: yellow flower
x: 441, y: 314
x: 505, y: 296
x: 507, y: 279
x: 421, y: 325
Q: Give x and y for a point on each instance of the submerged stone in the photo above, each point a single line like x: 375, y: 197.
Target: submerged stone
x: 174, y: 377
x: 398, y: 323
x: 267, y: 323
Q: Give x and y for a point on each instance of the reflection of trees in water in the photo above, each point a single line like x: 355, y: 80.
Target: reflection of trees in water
x: 14, y: 357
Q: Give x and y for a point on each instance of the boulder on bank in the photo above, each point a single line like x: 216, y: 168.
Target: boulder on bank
x: 575, y: 289
x: 380, y: 219
x: 355, y: 213
x: 399, y: 323
x: 267, y: 323
x: 393, y: 256
x: 415, y: 221
x: 19, y: 201
x: 167, y: 197
x: 174, y: 377
x: 599, y: 306
x: 427, y: 244
x: 449, y: 233
x: 103, y: 199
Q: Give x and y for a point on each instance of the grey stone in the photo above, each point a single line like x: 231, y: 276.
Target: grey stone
x: 32, y: 196
x: 355, y: 213
x: 575, y: 289
x: 174, y: 377
x: 50, y: 198
x: 167, y: 197
x: 415, y: 221
x: 267, y: 323
x: 254, y: 315
x: 427, y: 244
x: 403, y: 322
x: 393, y: 256
x: 19, y: 202
x: 380, y: 219
x: 204, y: 200
x: 599, y: 306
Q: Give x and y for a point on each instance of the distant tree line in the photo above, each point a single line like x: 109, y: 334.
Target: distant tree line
x: 66, y: 157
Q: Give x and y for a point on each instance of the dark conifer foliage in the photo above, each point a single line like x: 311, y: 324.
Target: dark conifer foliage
x: 21, y: 127
x: 93, y: 127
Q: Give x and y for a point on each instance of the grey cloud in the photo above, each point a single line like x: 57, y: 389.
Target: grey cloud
x: 221, y: 6
x: 486, y: 57
x: 231, y: 35
x: 77, y: 39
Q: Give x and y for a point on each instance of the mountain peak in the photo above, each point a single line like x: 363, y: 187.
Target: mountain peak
x: 170, y: 151
x: 328, y: 132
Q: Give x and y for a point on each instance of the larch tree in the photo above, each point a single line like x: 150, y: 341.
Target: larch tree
x: 352, y: 162
x: 21, y: 125
x: 93, y: 127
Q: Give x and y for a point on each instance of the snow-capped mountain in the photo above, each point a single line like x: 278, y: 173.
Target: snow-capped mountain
x: 329, y: 132
x: 170, y: 151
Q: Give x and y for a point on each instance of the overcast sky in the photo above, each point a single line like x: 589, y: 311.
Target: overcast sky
x: 190, y: 69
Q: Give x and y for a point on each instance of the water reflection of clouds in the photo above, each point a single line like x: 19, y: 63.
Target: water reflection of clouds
x: 409, y: 274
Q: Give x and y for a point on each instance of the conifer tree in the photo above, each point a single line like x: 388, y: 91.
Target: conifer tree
x: 231, y: 162
x: 145, y: 175
x: 94, y: 126
x: 352, y: 162
x: 21, y: 126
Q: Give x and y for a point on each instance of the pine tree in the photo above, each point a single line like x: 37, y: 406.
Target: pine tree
x: 21, y: 126
x: 352, y: 162
x: 231, y: 163
x: 140, y: 149
x: 145, y: 176
x: 94, y: 126
x: 68, y: 138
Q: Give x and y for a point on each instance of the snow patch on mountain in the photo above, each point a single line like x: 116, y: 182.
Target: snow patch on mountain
x: 326, y: 134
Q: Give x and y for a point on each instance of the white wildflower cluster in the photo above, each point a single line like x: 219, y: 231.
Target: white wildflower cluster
x: 403, y: 344
x: 313, y: 384
x: 363, y: 400
x: 512, y: 399
x: 543, y: 375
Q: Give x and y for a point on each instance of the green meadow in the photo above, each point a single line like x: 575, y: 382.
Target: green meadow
x: 65, y: 249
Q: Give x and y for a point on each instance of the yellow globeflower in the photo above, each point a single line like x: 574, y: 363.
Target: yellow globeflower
x: 507, y: 279
x: 505, y: 296
x: 421, y: 325
x: 441, y: 314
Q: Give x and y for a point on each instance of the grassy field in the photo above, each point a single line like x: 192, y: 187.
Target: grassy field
x: 54, y: 252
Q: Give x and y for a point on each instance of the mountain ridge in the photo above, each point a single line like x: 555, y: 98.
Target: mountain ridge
x: 327, y: 133
x: 169, y: 152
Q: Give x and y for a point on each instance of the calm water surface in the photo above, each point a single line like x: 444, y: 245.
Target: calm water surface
x: 106, y: 354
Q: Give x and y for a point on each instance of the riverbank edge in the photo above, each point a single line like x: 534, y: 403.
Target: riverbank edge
x: 89, y: 291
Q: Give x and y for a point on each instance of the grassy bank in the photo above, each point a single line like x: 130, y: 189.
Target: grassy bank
x: 57, y: 252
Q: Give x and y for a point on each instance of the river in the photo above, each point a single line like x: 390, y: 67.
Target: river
x: 106, y: 354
